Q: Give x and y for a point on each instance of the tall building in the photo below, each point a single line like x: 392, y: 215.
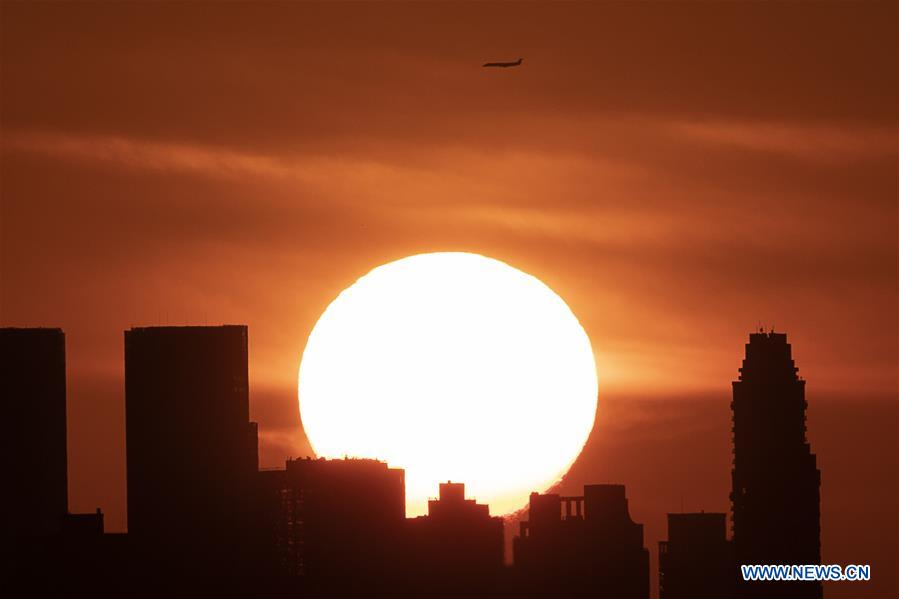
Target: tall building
x: 595, y: 549
x: 190, y: 448
x: 341, y: 522
x: 695, y: 561
x: 35, y: 489
x: 458, y: 546
x: 776, y: 483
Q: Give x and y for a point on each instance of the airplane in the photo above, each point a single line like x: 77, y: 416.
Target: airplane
x: 502, y: 64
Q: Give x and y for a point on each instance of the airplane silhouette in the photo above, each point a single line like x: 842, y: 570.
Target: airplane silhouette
x: 502, y: 64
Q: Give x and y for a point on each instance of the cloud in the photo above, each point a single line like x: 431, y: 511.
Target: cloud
x: 829, y: 143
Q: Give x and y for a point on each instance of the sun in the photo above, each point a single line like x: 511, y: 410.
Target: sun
x: 453, y: 366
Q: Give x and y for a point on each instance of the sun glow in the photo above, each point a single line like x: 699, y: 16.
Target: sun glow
x: 453, y: 366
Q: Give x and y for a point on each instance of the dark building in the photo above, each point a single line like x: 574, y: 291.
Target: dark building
x: 34, y: 499
x: 776, y: 483
x: 341, y: 522
x: 595, y: 549
x: 35, y: 489
x: 191, y: 450
x: 271, y: 493
x: 695, y: 561
x: 81, y: 526
x: 457, y: 547
x: 84, y: 558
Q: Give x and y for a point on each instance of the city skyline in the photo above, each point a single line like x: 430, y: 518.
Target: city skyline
x: 203, y: 512
x: 197, y: 488
x: 681, y: 174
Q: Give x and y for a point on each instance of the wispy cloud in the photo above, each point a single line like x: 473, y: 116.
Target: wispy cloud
x: 137, y: 154
x: 828, y: 143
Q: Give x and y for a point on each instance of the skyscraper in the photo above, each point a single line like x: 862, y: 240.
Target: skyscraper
x: 35, y: 489
x: 191, y: 449
x: 776, y: 483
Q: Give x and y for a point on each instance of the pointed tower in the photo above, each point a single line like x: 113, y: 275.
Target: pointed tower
x: 776, y: 483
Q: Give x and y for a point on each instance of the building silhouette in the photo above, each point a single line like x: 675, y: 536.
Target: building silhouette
x: 203, y: 518
x: 34, y: 499
x: 458, y: 546
x: 45, y: 548
x: 776, y: 483
x: 340, y: 522
x: 191, y: 450
x: 695, y: 562
x: 274, y: 555
x: 594, y: 550
x: 83, y: 550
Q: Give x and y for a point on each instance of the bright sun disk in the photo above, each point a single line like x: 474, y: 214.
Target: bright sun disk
x: 453, y: 366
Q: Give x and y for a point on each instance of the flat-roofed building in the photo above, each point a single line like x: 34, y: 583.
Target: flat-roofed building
x: 35, y: 483
x: 191, y: 449
x: 695, y: 562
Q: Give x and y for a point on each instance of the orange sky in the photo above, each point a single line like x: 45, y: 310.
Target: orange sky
x: 677, y: 173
